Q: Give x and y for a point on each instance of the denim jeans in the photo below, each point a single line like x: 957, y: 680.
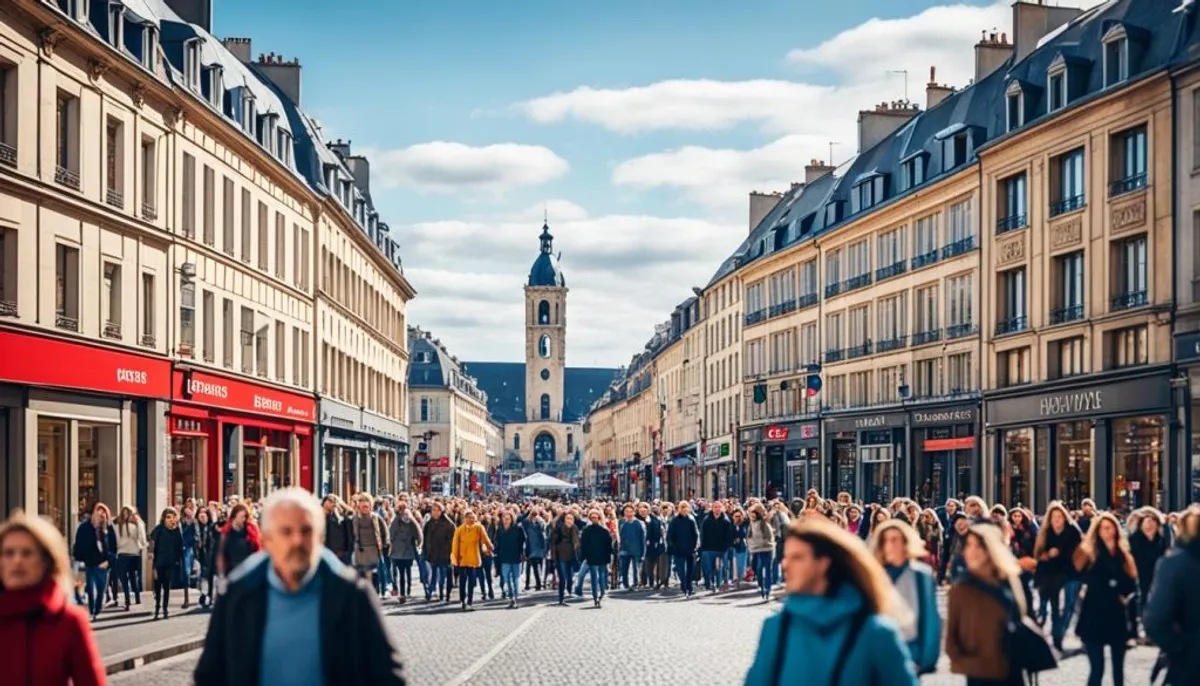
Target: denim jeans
x: 534, y: 567
x: 629, y: 580
x: 402, y: 577
x: 1062, y: 619
x: 708, y: 567
x: 96, y: 580
x: 564, y: 569
x: 189, y: 558
x: 581, y: 574
x: 599, y: 577
x: 129, y: 574
x: 467, y: 577
x: 383, y: 575
x: 762, y: 572
x: 510, y: 578
x: 684, y: 564
x: 485, y: 576
x: 439, y: 581
x: 422, y: 569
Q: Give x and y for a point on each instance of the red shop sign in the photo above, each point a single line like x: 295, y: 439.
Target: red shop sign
x: 777, y: 433
x: 41, y: 361
x: 226, y: 393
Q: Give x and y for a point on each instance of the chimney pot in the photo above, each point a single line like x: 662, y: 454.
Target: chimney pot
x: 1004, y: 39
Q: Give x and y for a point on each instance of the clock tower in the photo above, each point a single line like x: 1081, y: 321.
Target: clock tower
x: 545, y: 336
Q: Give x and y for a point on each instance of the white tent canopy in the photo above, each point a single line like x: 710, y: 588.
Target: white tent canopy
x: 541, y: 480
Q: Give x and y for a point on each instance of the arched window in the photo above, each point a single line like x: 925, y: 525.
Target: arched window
x: 544, y: 345
x: 570, y: 445
x: 543, y: 312
x: 543, y: 448
x: 516, y: 441
x: 556, y: 319
x: 545, y: 406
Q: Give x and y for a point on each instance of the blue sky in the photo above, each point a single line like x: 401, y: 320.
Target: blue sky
x: 640, y: 125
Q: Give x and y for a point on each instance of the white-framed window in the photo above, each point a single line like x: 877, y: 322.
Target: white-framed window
x: 191, y: 64
x: 1116, y: 56
x: 149, y: 45
x: 958, y: 222
x: 859, y: 259
x: 833, y: 331
x: 216, y: 86
x: 912, y: 173
x: 116, y: 26
x: 808, y: 278
x: 927, y: 309
x: 860, y: 326
x: 926, y: 236
x: 833, y: 266
x: 1015, y: 107
x: 893, y: 318
x: 892, y: 247
x: 1056, y: 89
x: 959, y: 300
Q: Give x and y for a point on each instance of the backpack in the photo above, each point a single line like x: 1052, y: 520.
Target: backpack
x: 857, y: 621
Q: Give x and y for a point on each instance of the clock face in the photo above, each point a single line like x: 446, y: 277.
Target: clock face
x: 545, y: 375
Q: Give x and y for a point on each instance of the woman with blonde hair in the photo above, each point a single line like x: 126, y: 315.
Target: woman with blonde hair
x: 1054, y: 549
x: 36, y: 619
x: 1108, y: 570
x: 131, y: 543
x: 838, y: 624
x: 899, y: 549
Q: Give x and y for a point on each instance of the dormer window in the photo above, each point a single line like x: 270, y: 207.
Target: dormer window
x: 331, y: 178
x: 833, y: 213
x: 116, y: 25
x: 1056, y: 85
x: 149, y: 46
x: 1015, y: 107
x: 956, y: 150
x: 283, y: 149
x: 867, y: 194
x: 1116, y: 57
x: 249, y: 113
x: 216, y: 86
x: 912, y: 172
x: 191, y: 64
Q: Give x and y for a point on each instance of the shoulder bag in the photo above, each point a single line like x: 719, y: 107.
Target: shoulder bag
x: 835, y: 677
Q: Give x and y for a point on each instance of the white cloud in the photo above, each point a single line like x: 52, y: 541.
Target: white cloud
x: 446, y: 167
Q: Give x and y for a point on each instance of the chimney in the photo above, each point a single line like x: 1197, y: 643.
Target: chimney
x: 342, y: 148
x: 1033, y: 21
x: 991, y: 52
x: 285, y: 74
x: 935, y: 92
x: 198, y: 12
x: 761, y: 205
x: 876, y: 125
x: 815, y: 170
x: 360, y: 169
x: 240, y: 47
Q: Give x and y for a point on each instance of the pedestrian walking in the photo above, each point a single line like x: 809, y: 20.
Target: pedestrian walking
x: 1109, y: 574
x: 631, y: 534
x: 899, y: 549
x: 470, y: 544
x: 96, y: 548
x: 564, y: 551
x: 438, y: 536
x: 131, y: 545
x: 596, y: 549
x: 405, y: 539
x: 166, y: 556
x: 760, y: 542
x: 1172, y: 615
x: 1055, y: 575
x: 683, y: 542
x: 537, y: 548
x: 510, y: 550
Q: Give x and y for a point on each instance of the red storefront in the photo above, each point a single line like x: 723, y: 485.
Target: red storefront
x: 233, y: 436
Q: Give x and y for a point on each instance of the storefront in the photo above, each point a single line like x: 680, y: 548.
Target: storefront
x: 78, y: 425
x: 1092, y: 438
x: 680, y: 471
x: 865, y: 456
x: 788, y: 459
x: 1185, y: 472
x: 945, y: 450
x: 717, y: 467
x: 360, y: 451
x: 236, y: 437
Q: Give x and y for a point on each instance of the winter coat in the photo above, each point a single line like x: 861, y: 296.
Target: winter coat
x: 92, y: 548
x: 1053, y: 572
x: 760, y: 538
x: 683, y: 536
x: 47, y: 640
x: 510, y: 544
x: 536, y: 544
x: 740, y: 532
x: 632, y: 538
x: 818, y: 627
x: 596, y: 545
x: 235, y: 546
x: 564, y: 543
x: 404, y: 536
x: 656, y: 531
x: 1102, y: 614
x: 716, y: 534
x: 976, y: 630
x: 206, y: 544
x: 1146, y: 554
x: 370, y: 539
x: 439, y: 540
x: 168, y: 547
x: 465, y: 549
x: 355, y: 647
x: 1172, y: 613
x: 338, y: 533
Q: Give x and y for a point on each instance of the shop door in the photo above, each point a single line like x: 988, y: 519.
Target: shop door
x: 935, y: 477
x: 844, y: 467
x: 878, y: 474
x: 801, y: 477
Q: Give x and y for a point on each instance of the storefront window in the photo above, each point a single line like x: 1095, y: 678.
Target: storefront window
x: 1073, y: 452
x: 845, y: 461
x: 52, y: 473
x: 1195, y: 465
x: 88, y: 476
x: 188, y: 454
x: 1017, y: 468
x: 1138, y: 444
x: 877, y: 473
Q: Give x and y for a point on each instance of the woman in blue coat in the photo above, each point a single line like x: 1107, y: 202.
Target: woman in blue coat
x: 838, y: 624
x: 536, y: 547
x: 899, y: 548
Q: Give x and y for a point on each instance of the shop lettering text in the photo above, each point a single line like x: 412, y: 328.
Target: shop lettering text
x: 777, y: 433
x: 263, y: 403
x: 870, y: 422
x: 947, y: 417
x: 135, y: 376
x: 1072, y: 403
x: 216, y: 390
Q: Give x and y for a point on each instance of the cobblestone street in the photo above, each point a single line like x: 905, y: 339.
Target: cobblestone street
x: 633, y: 639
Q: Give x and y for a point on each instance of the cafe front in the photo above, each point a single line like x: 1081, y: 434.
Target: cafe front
x: 1103, y: 436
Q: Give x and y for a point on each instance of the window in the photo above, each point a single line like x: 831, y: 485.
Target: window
x: 1015, y: 100
x: 956, y: 150
x: 959, y: 302
x: 247, y: 340
x: 1067, y: 183
x: 114, y: 163
x: 227, y: 209
x: 148, y: 311
x: 927, y: 378
x: 959, y: 227
x: 9, y: 261
x: 116, y: 24
x: 8, y: 113
x: 66, y: 273
x: 860, y: 389
x: 280, y: 350
x: 216, y: 86
x: 867, y: 194
x: 149, y: 171
x: 304, y: 364
x: 1066, y: 358
x: 302, y: 251
x: 516, y: 441
x: 188, y: 191
x: 280, y: 246
x: 191, y: 64
x: 892, y: 321
x: 754, y: 298
x: 1012, y: 305
x: 1013, y: 368
x: 1070, y: 288
x: 1056, y: 87
x: 210, y: 201
x: 208, y: 326
x: 1131, y: 275
x: 262, y: 354
x: 149, y: 44
x: 810, y: 344
x: 833, y: 269
x: 264, y: 236
x: 227, y: 331
x: 1128, y: 347
x: 891, y: 253
x: 1013, y: 197
x: 544, y: 348
x: 67, y: 144
x: 187, y: 319
x: 1128, y: 161
x: 858, y: 262
x: 782, y: 287
x: 837, y: 391
x: 112, y: 300
x: 890, y: 380
x: 808, y: 280
x: 833, y: 332
x: 833, y: 213
x: 926, y: 241
x: 860, y: 330
x: 960, y: 376
x: 912, y: 173
x: 927, y: 309
x: 545, y: 407
x: 1116, y: 61
x: 247, y: 231
x: 783, y: 352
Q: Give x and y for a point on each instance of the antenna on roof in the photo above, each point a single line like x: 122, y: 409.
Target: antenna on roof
x: 545, y: 213
x: 905, y: 72
x: 831, y: 144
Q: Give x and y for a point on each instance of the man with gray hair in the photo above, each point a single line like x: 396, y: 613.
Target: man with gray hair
x: 293, y: 614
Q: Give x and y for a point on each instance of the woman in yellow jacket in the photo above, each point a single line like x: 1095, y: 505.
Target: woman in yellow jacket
x: 469, y: 539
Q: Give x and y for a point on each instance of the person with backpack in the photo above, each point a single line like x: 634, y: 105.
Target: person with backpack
x: 840, y: 620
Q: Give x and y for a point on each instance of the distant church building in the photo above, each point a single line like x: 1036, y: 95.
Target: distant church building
x: 542, y: 402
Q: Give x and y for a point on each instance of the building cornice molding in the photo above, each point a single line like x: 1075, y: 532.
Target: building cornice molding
x: 346, y: 223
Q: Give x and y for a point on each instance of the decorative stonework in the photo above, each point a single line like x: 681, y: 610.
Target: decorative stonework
x: 50, y: 37
x: 1066, y: 234
x: 1128, y: 215
x: 1011, y: 251
x: 175, y: 116
x: 138, y: 93
x: 97, y: 69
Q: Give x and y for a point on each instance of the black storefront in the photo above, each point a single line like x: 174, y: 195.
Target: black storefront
x: 787, y: 458
x: 1104, y: 437
x: 1186, y: 470
x: 945, y: 453
x: 867, y: 456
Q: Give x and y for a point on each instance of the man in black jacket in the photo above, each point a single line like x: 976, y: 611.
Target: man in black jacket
x: 716, y: 537
x: 338, y: 534
x: 295, y: 615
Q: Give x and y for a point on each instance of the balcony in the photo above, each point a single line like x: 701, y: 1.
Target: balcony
x: 751, y: 319
x: 1127, y: 185
x: 1070, y: 313
x: 958, y: 247
x: 1010, y: 223
x: 66, y: 177
x: 832, y: 289
x: 1066, y: 205
x: 112, y: 330
x: 114, y: 197
x: 148, y: 212
x: 8, y: 308
x: 147, y: 341
x: 1012, y: 325
x: 856, y: 282
x: 782, y: 308
x: 8, y: 154
x: 893, y: 269
x: 835, y: 355
x: 961, y: 330
x: 930, y: 336
x: 925, y: 259
x: 64, y: 321
x: 1128, y: 300
x: 889, y: 344
x: 806, y: 301
x: 856, y: 351
x: 186, y: 350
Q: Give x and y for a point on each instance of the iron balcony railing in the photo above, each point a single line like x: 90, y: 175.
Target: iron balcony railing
x: 1010, y: 223
x: 961, y: 330
x: 64, y: 321
x: 1070, y: 313
x: 1069, y: 204
x: 8, y: 154
x: 958, y: 247
x: 1128, y: 300
x: 1127, y: 184
x: 857, y: 351
x: 925, y: 259
x: 114, y: 197
x: 1012, y: 325
x: 112, y: 330
x: 889, y: 344
x: 66, y: 177
x: 836, y: 355
x: 927, y: 336
x: 893, y: 269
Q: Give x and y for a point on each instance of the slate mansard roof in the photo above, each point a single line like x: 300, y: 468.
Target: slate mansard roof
x: 430, y: 365
x: 1158, y: 37
x: 504, y: 383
